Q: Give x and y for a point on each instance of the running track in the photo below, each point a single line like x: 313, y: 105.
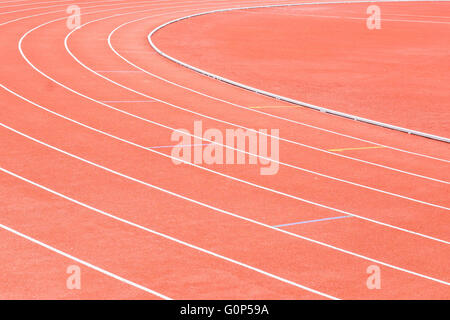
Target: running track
x: 81, y: 183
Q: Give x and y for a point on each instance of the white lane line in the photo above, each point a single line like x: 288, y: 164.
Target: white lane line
x: 224, y: 211
x: 83, y: 262
x: 215, y: 172
x: 165, y: 236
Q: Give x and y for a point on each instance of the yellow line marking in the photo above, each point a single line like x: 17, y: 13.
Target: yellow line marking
x: 264, y: 107
x: 362, y: 148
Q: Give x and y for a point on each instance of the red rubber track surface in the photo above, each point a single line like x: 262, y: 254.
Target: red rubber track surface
x: 396, y: 75
x: 80, y: 186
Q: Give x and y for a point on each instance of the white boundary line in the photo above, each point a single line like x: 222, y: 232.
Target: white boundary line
x: 282, y: 98
x: 87, y: 264
x: 216, y: 255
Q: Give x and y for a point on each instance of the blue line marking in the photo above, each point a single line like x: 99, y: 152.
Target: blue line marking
x: 309, y: 221
x: 176, y: 145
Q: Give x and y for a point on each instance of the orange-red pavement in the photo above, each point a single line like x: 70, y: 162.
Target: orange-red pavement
x: 198, y: 232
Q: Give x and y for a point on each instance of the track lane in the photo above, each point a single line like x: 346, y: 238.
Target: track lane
x: 227, y: 240
x: 63, y: 7
x: 145, y: 257
x: 135, y: 75
x: 44, y: 274
x: 29, y: 3
x: 91, y: 4
x: 104, y: 200
x: 275, y: 209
